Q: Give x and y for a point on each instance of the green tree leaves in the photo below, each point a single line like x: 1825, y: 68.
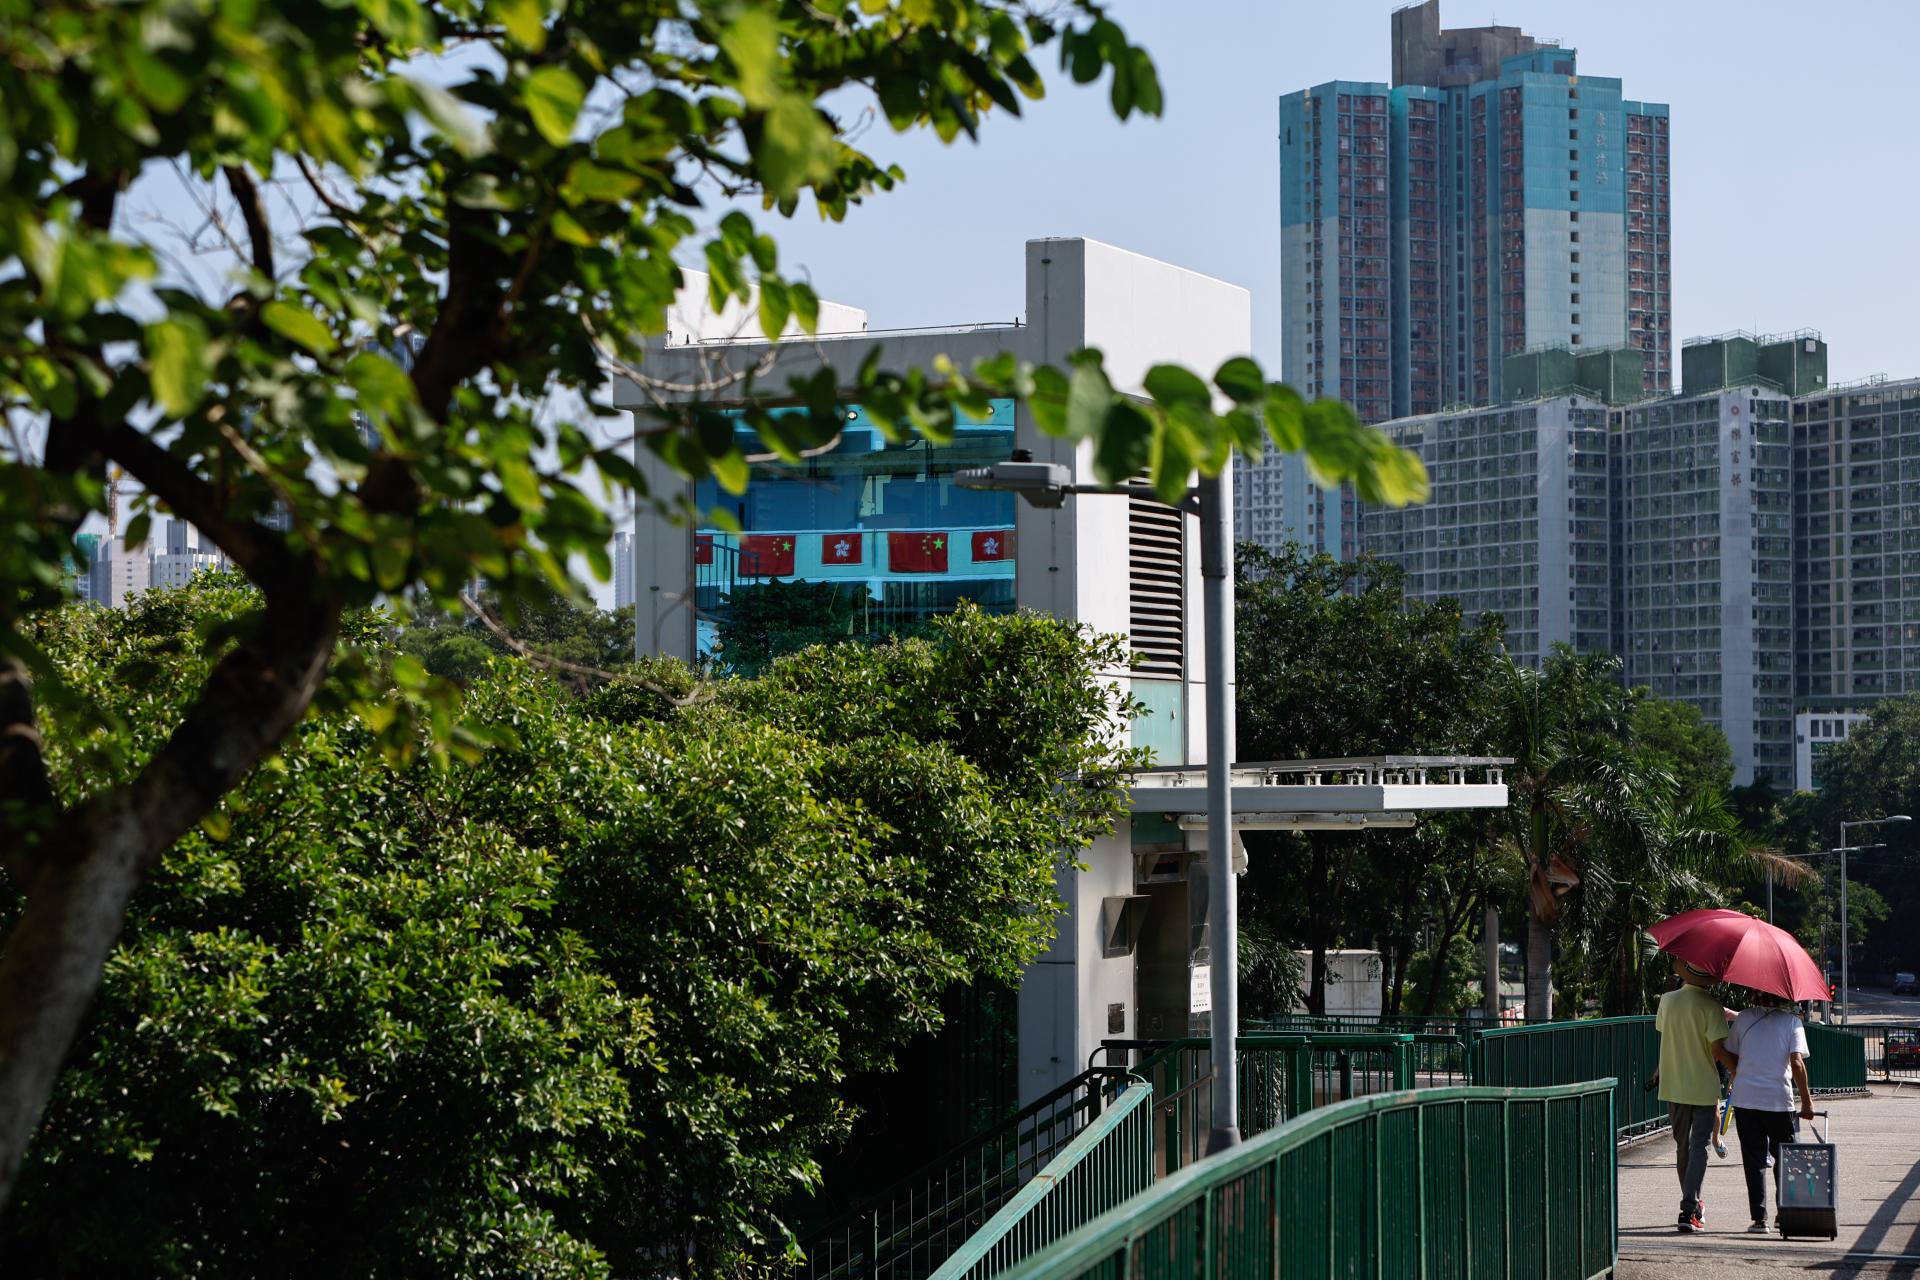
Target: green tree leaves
x: 298, y: 326
x: 414, y: 398
x: 177, y: 348
x: 563, y: 1009
x: 553, y: 96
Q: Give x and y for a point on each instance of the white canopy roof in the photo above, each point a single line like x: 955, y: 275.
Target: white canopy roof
x: 1329, y: 795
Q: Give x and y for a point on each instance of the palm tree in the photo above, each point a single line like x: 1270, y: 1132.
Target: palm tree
x: 1561, y: 724
x: 1652, y: 853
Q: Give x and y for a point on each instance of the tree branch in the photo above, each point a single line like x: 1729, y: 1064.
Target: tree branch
x: 259, y: 552
x: 254, y: 210
x: 471, y: 327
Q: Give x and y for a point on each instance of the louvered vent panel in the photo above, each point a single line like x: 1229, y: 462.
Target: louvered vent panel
x: 1156, y: 580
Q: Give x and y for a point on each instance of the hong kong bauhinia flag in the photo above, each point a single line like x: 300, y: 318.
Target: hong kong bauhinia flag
x: 767, y: 555
x: 842, y: 548
x: 917, y: 552
x: 993, y: 544
x: 703, y: 548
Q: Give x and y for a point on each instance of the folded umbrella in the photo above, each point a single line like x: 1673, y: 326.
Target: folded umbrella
x: 1735, y: 947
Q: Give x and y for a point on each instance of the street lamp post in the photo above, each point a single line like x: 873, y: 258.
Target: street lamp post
x: 1846, y: 1001
x: 1046, y: 485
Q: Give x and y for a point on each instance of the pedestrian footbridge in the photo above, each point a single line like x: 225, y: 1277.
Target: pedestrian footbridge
x: 1438, y: 1150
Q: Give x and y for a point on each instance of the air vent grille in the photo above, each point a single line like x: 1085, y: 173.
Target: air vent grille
x: 1156, y: 587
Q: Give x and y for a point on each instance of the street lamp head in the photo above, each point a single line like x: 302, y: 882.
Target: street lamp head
x: 1044, y: 484
x: 1896, y: 817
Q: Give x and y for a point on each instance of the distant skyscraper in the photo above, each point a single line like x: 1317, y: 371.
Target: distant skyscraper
x: 622, y: 570
x: 1490, y: 201
x: 119, y: 573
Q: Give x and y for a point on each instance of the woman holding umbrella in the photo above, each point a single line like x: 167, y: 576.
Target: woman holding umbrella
x: 1771, y: 1044
x: 1768, y: 1041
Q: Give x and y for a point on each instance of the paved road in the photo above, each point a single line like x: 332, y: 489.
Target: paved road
x: 1877, y: 1004
x: 1879, y: 1167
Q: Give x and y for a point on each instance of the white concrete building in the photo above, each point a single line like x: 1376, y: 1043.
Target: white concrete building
x: 119, y: 573
x: 622, y: 569
x: 1131, y: 957
x: 1814, y: 734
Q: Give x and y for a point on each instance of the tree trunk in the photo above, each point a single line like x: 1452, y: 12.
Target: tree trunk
x: 1317, y: 931
x: 96, y: 855
x: 1490, y: 953
x: 1623, y: 996
x: 52, y: 966
x: 1539, y: 970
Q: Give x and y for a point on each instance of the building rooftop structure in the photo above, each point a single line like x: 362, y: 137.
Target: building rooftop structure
x: 1425, y: 53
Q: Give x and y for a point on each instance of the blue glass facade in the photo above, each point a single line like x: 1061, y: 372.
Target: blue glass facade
x: 883, y: 519
x: 1490, y: 201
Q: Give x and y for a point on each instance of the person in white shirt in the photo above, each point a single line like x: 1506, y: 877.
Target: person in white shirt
x: 1771, y: 1044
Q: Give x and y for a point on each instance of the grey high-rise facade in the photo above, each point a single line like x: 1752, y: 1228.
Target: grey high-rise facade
x: 1750, y: 546
x: 1517, y: 523
x: 1856, y: 545
x: 1490, y: 201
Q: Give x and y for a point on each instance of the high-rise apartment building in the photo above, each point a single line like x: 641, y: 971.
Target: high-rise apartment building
x: 1750, y: 545
x: 1707, y: 583
x: 1490, y: 201
x: 1856, y: 545
x: 1517, y: 523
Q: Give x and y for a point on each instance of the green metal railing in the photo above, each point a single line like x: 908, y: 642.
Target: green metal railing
x: 1280, y: 1077
x: 1555, y: 1053
x: 906, y: 1232
x: 1452, y: 1024
x: 1439, y: 1183
x: 1109, y: 1162
x: 919, y: 1224
x: 1836, y: 1059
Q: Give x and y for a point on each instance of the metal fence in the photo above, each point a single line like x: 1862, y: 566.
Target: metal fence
x: 920, y: 1221
x: 1441, y: 1183
x: 1553, y: 1053
x: 1887, y: 1051
x: 1110, y: 1161
x: 1451, y: 1024
x: 1836, y: 1059
x: 1280, y: 1077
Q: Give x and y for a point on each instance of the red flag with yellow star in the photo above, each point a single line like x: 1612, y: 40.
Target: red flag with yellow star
x: 917, y: 552
x: 767, y: 555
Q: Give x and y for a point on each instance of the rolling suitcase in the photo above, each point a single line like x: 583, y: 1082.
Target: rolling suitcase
x: 1807, y: 1187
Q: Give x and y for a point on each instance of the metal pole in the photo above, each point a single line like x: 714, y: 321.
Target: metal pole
x: 1216, y: 559
x: 1769, y: 893
x: 1846, y: 1010
x: 1490, y: 955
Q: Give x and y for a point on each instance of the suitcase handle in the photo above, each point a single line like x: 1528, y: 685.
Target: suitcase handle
x: 1819, y: 1115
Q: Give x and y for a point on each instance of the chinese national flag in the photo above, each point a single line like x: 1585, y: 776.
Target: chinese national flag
x: 917, y: 552
x: 993, y: 544
x: 766, y: 555
x: 703, y: 548
x: 842, y: 548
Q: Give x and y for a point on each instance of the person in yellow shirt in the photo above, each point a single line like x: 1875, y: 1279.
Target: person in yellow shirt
x: 1693, y: 1032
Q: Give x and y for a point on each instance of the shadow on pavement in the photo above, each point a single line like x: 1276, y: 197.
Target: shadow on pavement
x: 1874, y: 1234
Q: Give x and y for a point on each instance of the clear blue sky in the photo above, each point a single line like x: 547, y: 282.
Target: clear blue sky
x: 1796, y: 170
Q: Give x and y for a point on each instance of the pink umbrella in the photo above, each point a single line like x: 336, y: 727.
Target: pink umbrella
x: 1737, y: 948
